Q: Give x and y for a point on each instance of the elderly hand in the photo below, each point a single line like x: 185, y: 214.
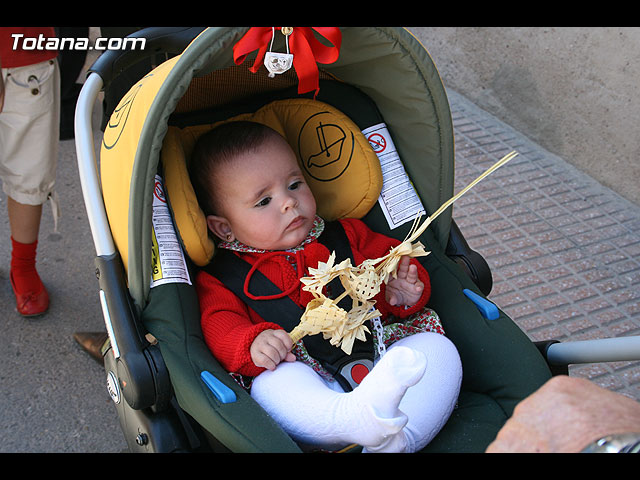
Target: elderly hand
x: 564, y: 416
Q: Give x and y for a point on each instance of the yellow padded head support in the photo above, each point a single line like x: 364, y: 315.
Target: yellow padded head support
x: 337, y: 161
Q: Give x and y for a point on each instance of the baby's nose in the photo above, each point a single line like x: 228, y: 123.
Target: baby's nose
x: 290, y: 202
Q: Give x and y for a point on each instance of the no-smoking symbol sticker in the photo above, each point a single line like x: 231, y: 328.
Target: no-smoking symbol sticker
x: 377, y: 142
x: 158, y: 191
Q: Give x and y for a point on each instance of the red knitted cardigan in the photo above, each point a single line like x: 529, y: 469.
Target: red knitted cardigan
x: 229, y: 326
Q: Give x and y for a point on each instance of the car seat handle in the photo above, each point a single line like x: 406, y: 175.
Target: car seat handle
x: 170, y: 41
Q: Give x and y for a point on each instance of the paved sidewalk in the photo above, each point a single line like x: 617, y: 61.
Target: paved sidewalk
x: 563, y: 249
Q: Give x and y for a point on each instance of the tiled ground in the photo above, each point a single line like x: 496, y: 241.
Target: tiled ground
x: 564, y: 250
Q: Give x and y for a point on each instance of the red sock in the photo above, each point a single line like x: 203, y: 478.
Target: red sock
x: 23, y: 267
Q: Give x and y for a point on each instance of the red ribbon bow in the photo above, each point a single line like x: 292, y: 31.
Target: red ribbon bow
x: 306, y: 49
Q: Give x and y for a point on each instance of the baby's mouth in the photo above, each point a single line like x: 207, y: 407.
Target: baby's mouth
x: 295, y: 223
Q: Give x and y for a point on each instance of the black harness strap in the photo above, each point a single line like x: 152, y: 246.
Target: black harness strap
x: 232, y: 271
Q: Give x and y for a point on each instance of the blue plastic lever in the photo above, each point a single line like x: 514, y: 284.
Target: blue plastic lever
x: 219, y: 389
x: 488, y: 309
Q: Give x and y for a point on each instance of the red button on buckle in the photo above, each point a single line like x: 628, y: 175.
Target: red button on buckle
x: 358, y: 372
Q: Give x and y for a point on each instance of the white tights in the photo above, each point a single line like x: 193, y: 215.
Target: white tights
x: 399, y: 407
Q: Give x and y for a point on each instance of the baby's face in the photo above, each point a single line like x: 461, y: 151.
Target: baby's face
x: 265, y: 201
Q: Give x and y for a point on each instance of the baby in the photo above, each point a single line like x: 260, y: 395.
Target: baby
x: 256, y: 201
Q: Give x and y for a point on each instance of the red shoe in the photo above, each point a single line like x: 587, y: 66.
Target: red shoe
x: 31, y: 304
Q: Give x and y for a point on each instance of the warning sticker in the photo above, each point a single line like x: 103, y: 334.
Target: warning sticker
x: 168, y: 264
x: 398, y: 199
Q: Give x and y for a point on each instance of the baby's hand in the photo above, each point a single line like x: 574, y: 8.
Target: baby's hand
x: 270, y: 348
x: 406, y: 288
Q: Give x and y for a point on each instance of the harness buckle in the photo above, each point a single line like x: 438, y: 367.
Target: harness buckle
x: 355, y: 371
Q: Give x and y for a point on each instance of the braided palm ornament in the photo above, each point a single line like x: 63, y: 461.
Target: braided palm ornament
x: 362, y: 283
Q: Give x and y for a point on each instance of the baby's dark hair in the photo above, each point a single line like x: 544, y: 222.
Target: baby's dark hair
x: 218, y: 147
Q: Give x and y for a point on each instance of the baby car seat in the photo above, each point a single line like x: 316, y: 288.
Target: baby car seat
x: 150, y: 205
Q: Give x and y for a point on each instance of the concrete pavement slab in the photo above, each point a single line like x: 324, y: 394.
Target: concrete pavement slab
x: 564, y: 250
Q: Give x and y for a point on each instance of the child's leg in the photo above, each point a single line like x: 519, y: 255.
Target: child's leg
x: 312, y: 412
x: 429, y: 403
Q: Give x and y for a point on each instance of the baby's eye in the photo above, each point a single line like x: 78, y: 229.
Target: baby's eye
x: 264, y: 202
x: 295, y: 185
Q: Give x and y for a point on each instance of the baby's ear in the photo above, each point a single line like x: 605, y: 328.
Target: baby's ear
x: 220, y: 227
